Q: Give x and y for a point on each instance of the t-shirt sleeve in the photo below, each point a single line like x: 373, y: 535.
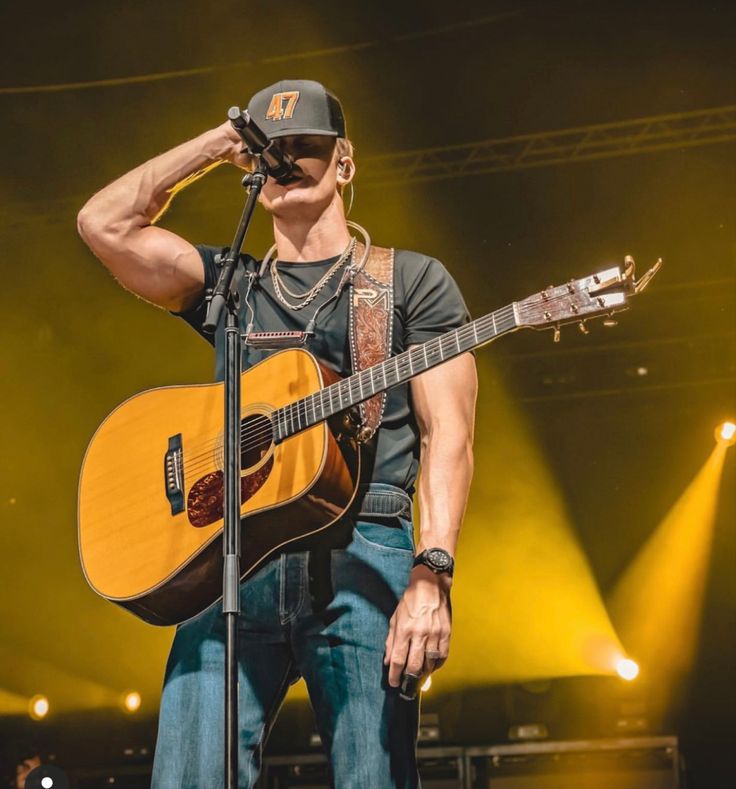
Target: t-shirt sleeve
x: 195, y: 315
x: 434, y: 304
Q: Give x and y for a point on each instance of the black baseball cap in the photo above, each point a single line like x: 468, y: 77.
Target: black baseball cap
x: 297, y: 106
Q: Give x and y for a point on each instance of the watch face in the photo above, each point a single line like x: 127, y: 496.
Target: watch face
x: 439, y: 558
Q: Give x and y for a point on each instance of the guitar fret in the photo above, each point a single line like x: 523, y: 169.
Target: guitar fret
x: 389, y: 373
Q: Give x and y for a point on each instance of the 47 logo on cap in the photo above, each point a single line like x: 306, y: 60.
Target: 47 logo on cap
x: 282, y: 105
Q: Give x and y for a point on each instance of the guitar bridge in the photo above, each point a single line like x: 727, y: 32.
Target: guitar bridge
x: 174, y: 474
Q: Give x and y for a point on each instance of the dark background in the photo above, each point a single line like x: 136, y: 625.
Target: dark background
x: 621, y: 447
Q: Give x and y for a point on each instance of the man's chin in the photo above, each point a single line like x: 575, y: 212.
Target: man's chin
x: 297, y: 202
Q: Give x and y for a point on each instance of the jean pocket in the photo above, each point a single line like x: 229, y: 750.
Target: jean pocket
x: 386, y: 533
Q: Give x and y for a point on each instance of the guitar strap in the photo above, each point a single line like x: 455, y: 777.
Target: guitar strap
x: 371, y: 309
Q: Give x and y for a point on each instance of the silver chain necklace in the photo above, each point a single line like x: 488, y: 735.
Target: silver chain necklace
x: 308, y: 296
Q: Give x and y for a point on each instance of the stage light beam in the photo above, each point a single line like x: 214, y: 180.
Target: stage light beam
x: 526, y: 605
x: 656, y: 604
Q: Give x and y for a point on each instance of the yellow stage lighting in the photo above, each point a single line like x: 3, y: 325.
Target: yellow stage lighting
x: 427, y: 684
x: 132, y: 701
x: 726, y: 433
x: 627, y: 669
x: 526, y: 600
x: 657, y: 603
x: 38, y: 707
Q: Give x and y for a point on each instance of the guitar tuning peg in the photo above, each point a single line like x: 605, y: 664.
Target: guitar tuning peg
x: 609, y: 323
x: 583, y: 328
x: 556, y: 336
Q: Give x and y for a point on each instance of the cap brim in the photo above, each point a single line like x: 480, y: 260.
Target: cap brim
x: 296, y: 132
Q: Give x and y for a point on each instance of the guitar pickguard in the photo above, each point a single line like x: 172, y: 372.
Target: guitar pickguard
x: 205, y: 502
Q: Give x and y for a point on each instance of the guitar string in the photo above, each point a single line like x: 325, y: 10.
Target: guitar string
x: 257, y: 437
x: 401, y: 369
x: 194, y: 464
x: 403, y: 365
x: 297, y: 412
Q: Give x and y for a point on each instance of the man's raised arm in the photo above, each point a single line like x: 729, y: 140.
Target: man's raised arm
x: 118, y: 222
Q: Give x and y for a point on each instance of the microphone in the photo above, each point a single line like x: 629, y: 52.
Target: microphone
x: 278, y: 163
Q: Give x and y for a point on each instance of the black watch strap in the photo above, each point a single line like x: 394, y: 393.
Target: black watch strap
x: 437, y: 559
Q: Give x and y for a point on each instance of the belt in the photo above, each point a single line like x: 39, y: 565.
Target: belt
x: 380, y: 499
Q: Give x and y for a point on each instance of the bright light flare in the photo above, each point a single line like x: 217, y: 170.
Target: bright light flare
x: 627, y: 669
x: 427, y: 684
x: 726, y: 433
x: 132, y: 701
x: 38, y: 707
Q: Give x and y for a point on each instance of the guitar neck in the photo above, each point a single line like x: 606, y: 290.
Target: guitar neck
x: 396, y: 370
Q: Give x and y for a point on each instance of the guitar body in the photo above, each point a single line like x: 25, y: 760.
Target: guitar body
x: 151, y: 488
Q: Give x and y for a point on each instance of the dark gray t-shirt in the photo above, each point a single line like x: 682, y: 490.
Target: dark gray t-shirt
x: 427, y: 303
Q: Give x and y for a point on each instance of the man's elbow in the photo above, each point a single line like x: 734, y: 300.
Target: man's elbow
x: 100, y: 232
x: 91, y: 225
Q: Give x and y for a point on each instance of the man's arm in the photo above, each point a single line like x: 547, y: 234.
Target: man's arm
x: 118, y: 222
x: 444, y: 403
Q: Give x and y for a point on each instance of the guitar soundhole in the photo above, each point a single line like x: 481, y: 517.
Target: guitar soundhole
x: 205, y: 502
x: 255, y: 440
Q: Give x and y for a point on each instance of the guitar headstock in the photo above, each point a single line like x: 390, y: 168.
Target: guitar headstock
x: 597, y: 296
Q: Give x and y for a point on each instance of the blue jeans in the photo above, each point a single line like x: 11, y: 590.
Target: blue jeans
x: 321, y: 614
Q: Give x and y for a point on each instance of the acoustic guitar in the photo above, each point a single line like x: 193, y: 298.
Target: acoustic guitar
x: 151, y: 486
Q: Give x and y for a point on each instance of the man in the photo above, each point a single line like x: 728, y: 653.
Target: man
x: 25, y: 761
x: 330, y: 609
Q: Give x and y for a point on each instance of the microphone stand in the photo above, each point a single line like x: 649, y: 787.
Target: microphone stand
x: 225, y: 297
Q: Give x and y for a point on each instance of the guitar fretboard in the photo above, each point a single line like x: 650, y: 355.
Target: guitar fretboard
x: 396, y: 370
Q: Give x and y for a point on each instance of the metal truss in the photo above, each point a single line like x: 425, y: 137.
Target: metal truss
x: 600, y: 141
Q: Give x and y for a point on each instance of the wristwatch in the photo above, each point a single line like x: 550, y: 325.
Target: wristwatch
x: 437, y: 559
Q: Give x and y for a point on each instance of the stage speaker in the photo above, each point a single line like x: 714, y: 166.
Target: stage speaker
x: 635, y: 763
x: 440, y: 768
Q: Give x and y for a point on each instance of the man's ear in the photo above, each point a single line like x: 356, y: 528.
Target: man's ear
x: 345, y: 171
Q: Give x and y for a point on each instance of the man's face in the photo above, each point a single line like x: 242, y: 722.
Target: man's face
x: 313, y: 182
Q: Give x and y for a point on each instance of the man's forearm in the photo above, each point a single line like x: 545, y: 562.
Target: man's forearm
x: 137, y: 198
x: 444, y: 483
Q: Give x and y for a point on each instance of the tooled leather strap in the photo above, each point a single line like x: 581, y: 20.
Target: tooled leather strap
x: 371, y: 325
